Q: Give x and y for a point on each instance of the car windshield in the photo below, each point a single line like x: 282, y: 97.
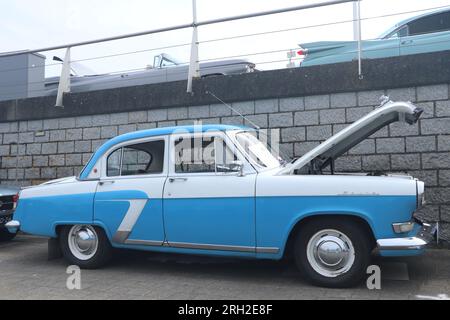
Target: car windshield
x: 168, y: 61
x: 257, y: 151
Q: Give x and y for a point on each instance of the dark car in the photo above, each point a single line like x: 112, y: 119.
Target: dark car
x: 8, y: 200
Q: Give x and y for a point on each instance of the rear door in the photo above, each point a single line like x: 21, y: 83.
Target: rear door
x: 129, y: 194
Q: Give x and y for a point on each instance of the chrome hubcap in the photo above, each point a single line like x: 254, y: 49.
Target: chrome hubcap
x: 330, y: 253
x: 83, y: 242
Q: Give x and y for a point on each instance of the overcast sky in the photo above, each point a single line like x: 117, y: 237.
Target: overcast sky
x: 29, y: 24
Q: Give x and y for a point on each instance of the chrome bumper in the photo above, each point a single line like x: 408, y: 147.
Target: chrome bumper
x: 424, y: 236
x: 13, y: 226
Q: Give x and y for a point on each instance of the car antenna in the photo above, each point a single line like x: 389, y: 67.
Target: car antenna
x: 258, y: 129
x: 232, y: 109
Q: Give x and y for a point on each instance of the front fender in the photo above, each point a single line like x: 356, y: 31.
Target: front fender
x: 276, y: 217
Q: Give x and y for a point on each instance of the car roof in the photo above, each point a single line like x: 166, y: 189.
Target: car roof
x: 153, y: 133
x: 405, y: 21
x: 173, y: 130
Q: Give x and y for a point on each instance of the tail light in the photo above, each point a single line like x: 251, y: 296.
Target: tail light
x: 296, y: 56
x: 15, y: 200
x: 302, y: 52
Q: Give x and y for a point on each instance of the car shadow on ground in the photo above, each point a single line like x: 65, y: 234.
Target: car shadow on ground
x: 284, y: 272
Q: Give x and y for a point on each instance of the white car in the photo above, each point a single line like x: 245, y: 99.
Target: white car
x: 217, y: 190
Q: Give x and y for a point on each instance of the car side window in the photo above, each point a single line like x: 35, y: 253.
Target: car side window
x: 194, y: 155
x: 402, y: 32
x: 113, y: 168
x: 203, y: 155
x: 433, y: 23
x: 225, y: 157
x: 135, y: 161
x: 138, y: 159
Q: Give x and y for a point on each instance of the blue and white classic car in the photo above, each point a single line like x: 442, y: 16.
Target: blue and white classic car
x: 217, y: 190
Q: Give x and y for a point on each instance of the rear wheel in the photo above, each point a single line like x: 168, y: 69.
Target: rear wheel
x: 5, y: 235
x: 85, y: 246
x: 332, y: 252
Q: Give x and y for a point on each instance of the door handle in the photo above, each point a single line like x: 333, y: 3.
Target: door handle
x: 172, y: 180
x: 102, y: 183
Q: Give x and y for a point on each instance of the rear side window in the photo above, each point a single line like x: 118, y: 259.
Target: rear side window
x: 434, y: 23
x: 139, y: 159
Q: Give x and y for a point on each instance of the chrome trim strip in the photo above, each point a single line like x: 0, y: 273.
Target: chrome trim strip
x: 121, y: 236
x: 130, y: 219
x: 186, y: 245
x: 220, y: 247
x: 267, y: 250
x: 200, y: 246
x: 151, y: 243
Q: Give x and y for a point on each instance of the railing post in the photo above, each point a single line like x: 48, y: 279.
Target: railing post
x: 194, y: 66
x: 64, y: 80
x: 357, y: 19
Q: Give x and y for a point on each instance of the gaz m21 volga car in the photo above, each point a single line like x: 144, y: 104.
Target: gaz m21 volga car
x: 218, y: 190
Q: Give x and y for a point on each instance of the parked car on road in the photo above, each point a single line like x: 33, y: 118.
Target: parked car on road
x: 429, y: 32
x: 217, y: 190
x: 8, y: 200
x: 164, y: 69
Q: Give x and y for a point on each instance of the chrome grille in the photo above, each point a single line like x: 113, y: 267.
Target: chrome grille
x: 6, y: 203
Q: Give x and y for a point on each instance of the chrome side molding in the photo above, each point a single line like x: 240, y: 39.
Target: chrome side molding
x: 201, y: 246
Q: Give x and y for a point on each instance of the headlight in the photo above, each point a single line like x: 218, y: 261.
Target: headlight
x: 420, y: 194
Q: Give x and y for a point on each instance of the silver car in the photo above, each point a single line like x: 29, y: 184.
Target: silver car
x: 8, y: 200
x: 165, y: 68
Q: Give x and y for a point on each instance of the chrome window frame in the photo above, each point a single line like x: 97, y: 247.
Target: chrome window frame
x: 104, y: 158
x: 247, y: 169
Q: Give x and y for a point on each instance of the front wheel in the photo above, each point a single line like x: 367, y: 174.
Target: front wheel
x: 85, y: 246
x: 333, y: 252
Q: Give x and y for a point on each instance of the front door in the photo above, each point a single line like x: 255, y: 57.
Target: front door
x: 128, y: 201
x: 208, y: 200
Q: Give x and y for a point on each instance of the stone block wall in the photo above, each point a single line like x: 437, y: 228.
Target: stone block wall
x: 35, y: 151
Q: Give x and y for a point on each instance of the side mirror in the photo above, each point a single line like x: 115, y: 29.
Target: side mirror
x: 238, y: 166
x: 235, y: 166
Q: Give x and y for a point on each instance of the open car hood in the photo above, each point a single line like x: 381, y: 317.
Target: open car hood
x: 324, y: 154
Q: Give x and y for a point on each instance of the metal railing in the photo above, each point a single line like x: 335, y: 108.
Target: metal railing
x: 193, y: 65
x: 64, y: 82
